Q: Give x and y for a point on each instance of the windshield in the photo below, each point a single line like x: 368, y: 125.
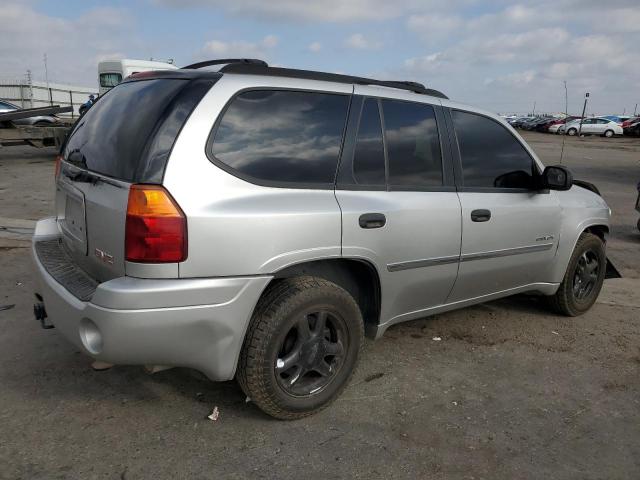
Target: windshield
x: 110, y: 79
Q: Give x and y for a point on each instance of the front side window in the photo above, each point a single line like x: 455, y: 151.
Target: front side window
x: 281, y: 136
x: 491, y: 156
x: 413, y: 144
x: 368, y: 158
x: 109, y: 80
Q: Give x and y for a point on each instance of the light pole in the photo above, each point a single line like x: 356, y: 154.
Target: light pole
x: 584, y: 109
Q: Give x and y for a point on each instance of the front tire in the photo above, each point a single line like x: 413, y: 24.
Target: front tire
x: 608, y: 133
x: 301, y: 348
x: 583, y: 279
x: 572, y: 132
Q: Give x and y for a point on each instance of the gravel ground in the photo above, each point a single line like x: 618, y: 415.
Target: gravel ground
x: 510, y: 391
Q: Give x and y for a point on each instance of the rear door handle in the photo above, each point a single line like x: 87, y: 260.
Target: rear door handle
x: 372, y: 220
x: 480, y: 215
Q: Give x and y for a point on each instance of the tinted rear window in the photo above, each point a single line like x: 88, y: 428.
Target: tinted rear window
x: 282, y: 137
x: 413, y: 144
x: 111, y: 137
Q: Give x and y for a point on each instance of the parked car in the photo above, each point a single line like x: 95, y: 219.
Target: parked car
x: 545, y: 125
x: 555, y: 127
x: 616, y: 118
x: 630, y: 121
x: 517, y: 123
x: 593, y: 126
x: 253, y: 222
x: 632, y: 129
x: 532, y: 123
x: 39, y: 121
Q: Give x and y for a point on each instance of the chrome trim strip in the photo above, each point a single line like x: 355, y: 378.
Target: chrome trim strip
x: 429, y: 262
x: 467, y: 257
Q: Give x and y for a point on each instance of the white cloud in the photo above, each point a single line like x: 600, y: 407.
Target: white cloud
x: 314, y: 47
x: 72, y: 45
x: 318, y: 10
x: 240, y: 48
x: 359, y: 42
x: 434, y: 25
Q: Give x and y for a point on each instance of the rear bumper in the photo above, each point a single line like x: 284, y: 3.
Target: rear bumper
x: 196, y: 323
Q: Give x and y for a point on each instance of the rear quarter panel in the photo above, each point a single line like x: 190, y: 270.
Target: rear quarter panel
x: 236, y: 227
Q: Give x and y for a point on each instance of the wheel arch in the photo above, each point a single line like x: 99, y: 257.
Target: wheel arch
x: 594, y: 226
x: 357, y: 276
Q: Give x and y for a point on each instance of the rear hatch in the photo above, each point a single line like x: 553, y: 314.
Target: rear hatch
x: 125, y: 138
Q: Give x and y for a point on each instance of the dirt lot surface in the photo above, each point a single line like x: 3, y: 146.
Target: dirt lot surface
x: 511, y: 391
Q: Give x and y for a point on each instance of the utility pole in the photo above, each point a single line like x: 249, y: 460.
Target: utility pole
x: 534, y: 108
x: 46, y: 70
x: 584, y: 109
x: 46, y: 77
x: 635, y: 110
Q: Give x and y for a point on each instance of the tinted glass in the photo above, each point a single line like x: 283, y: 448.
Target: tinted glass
x: 491, y: 155
x: 111, y: 137
x: 413, y: 145
x: 283, y: 136
x: 368, y: 159
x: 110, y: 79
x: 6, y: 105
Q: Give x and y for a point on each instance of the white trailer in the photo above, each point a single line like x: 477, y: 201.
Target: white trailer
x: 112, y: 72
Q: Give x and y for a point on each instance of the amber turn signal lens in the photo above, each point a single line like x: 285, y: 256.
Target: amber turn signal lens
x: 156, y: 227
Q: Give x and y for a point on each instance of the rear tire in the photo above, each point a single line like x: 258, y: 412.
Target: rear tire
x: 572, y: 132
x: 583, y: 279
x: 301, y: 348
x: 608, y: 133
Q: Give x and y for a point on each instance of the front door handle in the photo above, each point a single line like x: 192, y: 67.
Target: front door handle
x: 480, y: 215
x: 372, y: 220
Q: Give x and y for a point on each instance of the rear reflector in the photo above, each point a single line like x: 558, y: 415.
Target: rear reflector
x: 156, y: 228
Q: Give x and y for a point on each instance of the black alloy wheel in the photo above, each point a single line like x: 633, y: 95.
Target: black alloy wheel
x: 586, y: 274
x: 311, y: 353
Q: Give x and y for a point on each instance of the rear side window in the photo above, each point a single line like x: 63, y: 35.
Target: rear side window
x: 111, y: 138
x: 491, y: 156
x: 368, y: 159
x: 413, y: 144
x: 282, y: 137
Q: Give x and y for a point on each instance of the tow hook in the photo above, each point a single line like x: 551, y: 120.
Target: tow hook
x: 40, y: 313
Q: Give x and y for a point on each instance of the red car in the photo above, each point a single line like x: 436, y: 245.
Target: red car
x: 628, y: 122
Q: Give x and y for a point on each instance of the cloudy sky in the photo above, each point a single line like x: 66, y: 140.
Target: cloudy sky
x: 499, y: 54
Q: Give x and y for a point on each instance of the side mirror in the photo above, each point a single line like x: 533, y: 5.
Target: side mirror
x: 557, y: 178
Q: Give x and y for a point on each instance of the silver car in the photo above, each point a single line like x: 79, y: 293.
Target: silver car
x: 254, y: 222
x: 37, y: 121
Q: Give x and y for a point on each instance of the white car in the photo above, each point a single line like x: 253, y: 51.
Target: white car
x: 592, y: 126
x: 557, y: 128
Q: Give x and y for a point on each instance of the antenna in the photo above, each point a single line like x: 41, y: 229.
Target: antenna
x: 566, y: 115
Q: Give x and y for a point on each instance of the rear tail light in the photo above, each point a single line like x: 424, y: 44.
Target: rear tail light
x: 58, y: 166
x: 156, y: 228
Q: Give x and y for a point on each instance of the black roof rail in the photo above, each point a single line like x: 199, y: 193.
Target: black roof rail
x: 222, y: 61
x: 260, y: 69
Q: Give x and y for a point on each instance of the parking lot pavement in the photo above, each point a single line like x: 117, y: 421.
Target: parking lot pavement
x: 510, y: 391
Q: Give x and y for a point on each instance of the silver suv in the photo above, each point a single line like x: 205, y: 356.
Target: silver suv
x: 254, y: 222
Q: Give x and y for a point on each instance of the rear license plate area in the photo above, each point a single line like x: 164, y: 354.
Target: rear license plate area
x: 74, y: 226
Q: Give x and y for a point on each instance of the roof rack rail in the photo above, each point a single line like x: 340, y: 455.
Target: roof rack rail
x: 264, y: 69
x: 223, y: 61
